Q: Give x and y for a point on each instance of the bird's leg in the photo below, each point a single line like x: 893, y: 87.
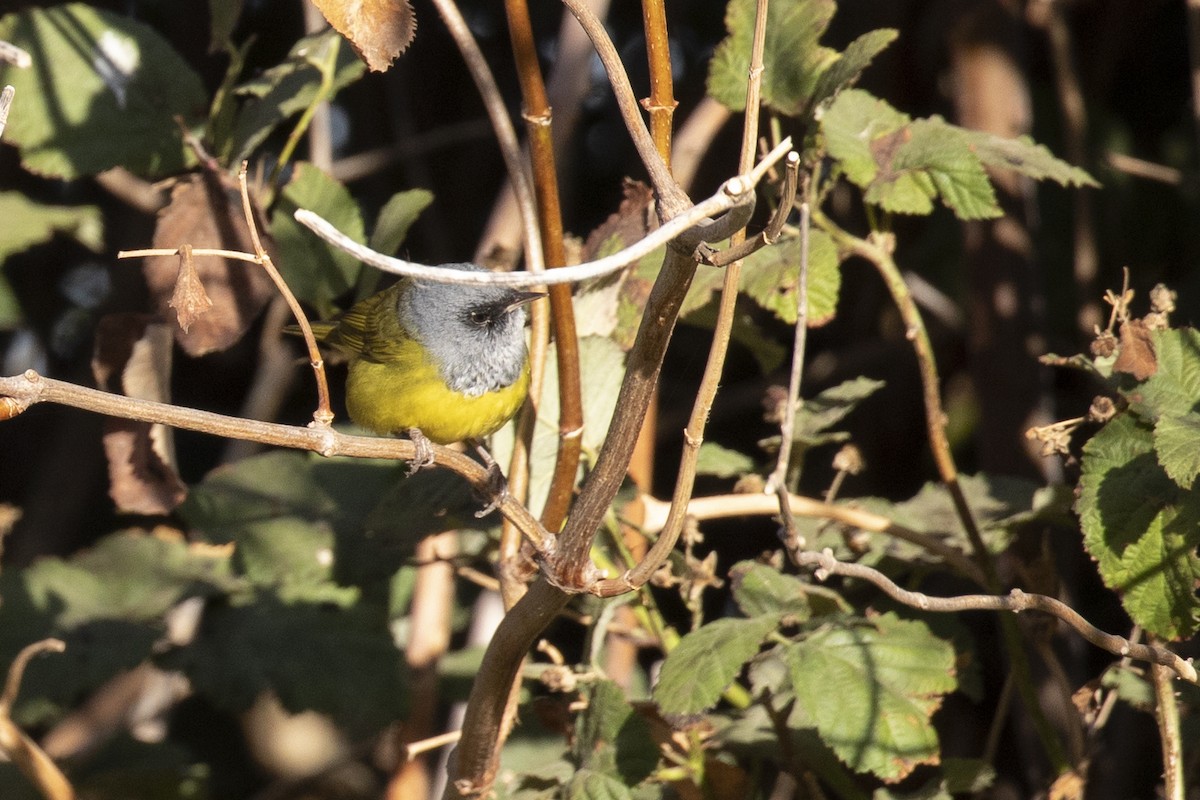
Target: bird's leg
x: 424, y: 455
x: 497, y: 483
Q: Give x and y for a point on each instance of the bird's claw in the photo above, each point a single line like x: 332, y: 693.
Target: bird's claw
x: 423, y: 457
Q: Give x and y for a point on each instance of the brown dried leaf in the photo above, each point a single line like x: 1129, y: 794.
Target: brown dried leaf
x: 133, y: 357
x: 1137, y: 351
x: 189, y: 298
x: 207, y: 212
x: 379, y: 30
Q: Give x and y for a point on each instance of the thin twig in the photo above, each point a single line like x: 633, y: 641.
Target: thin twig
x: 323, y: 416
x: 1166, y: 713
x: 1016, y: 601
x: 747, y: 505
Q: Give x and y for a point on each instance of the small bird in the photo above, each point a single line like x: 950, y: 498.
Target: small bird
x: 440, y: 361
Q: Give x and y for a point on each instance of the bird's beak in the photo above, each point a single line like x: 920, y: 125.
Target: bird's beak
x: 521, y: 298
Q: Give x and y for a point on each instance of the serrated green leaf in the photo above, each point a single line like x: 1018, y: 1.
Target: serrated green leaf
x: 315, y: 271
x: 1027, y: 157
x: 760, y: 590
x: 292, y: 86
x: 103, y: 92
x: 852, y: 125
x: 27, y: 223
x: 611, y: 737
x: 937, y: 159
x: 713, y: 459
x: 817, y: 415
x: 1141, y: 528
x: 588, y: 784
x: 1177, y: 445
x: 849, y: 66
x: 792, y: 58
x: 396, y: 217
x: 1175, y: 385
x: 771, y: 278
x: 320, y: 511
x: 870, y: 690
x: 706, y: 662
x: 107, y: 603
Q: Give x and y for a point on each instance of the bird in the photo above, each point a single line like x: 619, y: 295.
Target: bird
x: 441, y: 362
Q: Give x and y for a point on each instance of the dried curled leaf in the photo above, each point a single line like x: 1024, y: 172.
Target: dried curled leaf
x: 1137, y: 351
x: 205, y: 211
x: 189, y: 298
x: 379, y: 30
x: 132, y: 357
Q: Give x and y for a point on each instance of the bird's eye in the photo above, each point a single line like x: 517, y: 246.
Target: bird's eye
x: 479, y: 318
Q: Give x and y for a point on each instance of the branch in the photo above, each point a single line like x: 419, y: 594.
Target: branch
x: 22, y: 391
x: 737, y: 192
x: 1015, y: 601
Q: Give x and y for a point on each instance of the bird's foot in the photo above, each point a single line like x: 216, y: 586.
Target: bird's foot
x: 424, y: 451
x: 497, y: 484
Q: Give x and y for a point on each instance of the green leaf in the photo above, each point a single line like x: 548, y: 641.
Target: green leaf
x: 1141, y: 528
x: 396, y: 217
x: 707, y: 660
x: 771, y: 278
x: 759, y: 590
x: 306, y: 537
x: 870, y: 690
x: 223, y: 17
x: 589, y: 784
x: 1028, y: 158
x: 103, y: 92
x: 1177, y: 445
x: 792, y: 58
x: 28, y: 223
x: 817, y: 415
x: 107, y: 603
x: 611, y: 737
x: 713, y: 459
x: 315, y: 271
x: 853, y: 125
x: 1175, y: 385
x: 340, y: 662
x: 292, y: 86
x: 10, y: 309
x: 849, y: 66
x: 903, y: 165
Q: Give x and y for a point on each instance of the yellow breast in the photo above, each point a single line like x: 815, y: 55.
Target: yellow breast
x: 407, y: 391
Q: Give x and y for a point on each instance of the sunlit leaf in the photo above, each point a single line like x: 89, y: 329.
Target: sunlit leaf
x: 379, y: 30
x: 28, y: 223
x: 707, y: 660
x: 870, y: 690
x: 103, y: 92
x: 1141, y: 528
